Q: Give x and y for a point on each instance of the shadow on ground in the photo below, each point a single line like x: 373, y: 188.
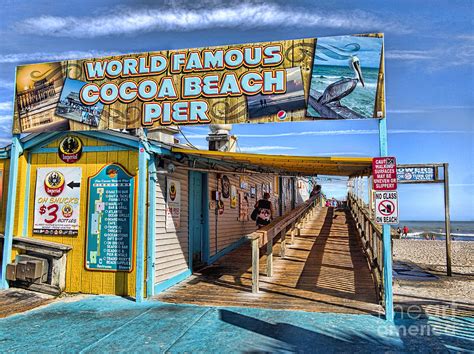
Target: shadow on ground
x: 114, y: 324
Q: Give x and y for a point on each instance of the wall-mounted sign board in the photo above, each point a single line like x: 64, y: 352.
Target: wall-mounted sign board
x: 57, y: 201
x: 109, y: 239
x: 416, y: 174
x: 173, y: 204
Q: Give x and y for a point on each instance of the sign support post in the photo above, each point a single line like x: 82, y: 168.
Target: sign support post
x: 143, y: 157
x: 447, y: 220
x: 430, y: 173
x: 386, y: 238
x: 15, y: 152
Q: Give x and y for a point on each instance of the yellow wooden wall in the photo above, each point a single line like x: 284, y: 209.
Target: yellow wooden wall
x: 5, y: 166
x: 78, y: 279
x: 20, y: 193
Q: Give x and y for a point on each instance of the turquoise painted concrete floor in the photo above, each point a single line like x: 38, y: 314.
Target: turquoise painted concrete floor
x: 114, y: 324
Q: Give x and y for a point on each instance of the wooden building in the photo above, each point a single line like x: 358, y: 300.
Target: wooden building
x: 206, y: 215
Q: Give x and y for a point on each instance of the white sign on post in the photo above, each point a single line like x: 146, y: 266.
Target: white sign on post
x: 386, y: 207
x: 57, y: 201
x: 173, y: 204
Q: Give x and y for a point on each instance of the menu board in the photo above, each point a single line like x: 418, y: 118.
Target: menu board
x: 109, y: 244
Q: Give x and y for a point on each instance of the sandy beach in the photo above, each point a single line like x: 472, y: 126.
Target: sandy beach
x: 437, y: 296
x: 431, y: 255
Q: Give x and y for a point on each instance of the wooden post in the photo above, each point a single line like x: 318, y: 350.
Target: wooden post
x: 15, y: 151
x: 255, y: 265
x: 447, y: 221
x: 270, y: 256
x: 292, y: 233
x: 283, y: 242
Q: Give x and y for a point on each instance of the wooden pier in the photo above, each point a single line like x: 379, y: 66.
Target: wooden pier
x: 324, y: 270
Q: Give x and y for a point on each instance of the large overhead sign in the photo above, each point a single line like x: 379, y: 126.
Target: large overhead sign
x: 294, y: 80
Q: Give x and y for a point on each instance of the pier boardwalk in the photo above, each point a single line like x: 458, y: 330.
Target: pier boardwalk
x: 324, y: 270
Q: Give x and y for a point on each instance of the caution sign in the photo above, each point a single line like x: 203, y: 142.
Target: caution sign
x: 384, y: 171
x: 386, y: 207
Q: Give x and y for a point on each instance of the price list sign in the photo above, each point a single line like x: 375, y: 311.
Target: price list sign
x: 110, y: 220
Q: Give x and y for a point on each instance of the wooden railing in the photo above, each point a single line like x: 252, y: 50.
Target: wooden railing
x: 292, y: 223
x: 371, y: 238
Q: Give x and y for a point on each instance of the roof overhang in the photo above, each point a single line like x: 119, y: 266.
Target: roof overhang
x: 292, y: 165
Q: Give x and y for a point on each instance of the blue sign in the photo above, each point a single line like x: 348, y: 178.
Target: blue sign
x: 415, y: 174
x: 109, y: 241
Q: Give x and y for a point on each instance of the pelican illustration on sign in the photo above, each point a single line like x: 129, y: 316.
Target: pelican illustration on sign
x: 345, y: 77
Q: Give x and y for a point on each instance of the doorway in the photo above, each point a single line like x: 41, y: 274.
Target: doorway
x: 198, y: 220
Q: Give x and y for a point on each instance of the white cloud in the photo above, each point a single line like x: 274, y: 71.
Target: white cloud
x: 406, y: 111
x: 48, y: 56
x: 6, y: 122
x: 5, y: 141
x: 427, y: 109
x: 452, y: 54
x: 339, y: 132
x: 342, y: 153
x: 244, y: 15
x: 4, y: 117
x: 266, y: 148
x: 6, y: 84
x: 408, y: 55
x: 6, y: 106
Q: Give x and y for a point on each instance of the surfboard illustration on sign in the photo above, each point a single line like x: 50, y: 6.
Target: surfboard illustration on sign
x: 344, y: 79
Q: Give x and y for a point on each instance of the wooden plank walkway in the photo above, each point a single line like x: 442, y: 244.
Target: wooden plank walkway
x: 13, y: 301
x: 324, y: 270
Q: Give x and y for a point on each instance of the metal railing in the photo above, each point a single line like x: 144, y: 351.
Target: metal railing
x: 371, y: 238
x: 291, y: 222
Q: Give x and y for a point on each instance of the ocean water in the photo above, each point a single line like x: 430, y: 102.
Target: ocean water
x: 460, y: 230
x: 361, y: 100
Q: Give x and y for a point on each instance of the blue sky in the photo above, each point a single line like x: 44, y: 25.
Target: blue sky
x: 429, y: 71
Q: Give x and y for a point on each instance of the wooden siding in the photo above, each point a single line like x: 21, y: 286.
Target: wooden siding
x: 171, y: 253
x: 226, y: 229
x: 287, y: 193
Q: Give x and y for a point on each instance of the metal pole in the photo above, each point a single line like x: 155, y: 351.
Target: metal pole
x: 386, y: 238
x: 447, y: 221
x: 15, y: 152
x: 143, y: 157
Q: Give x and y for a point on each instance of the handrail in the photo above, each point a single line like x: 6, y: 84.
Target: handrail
x: 295, y: 220
x: 371, y: 236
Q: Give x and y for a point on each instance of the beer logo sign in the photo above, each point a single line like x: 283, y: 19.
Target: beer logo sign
x: 67, y: 211
x: 111, y: 172
x: 70, y: 149
x: 172, y: 191
x: 54, y: 183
